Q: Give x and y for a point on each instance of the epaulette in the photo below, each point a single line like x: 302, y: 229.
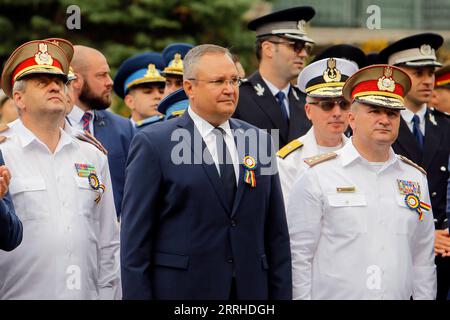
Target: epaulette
x: 177, y: 113
x: 312, y: 161
x: 89, y: 138
x: 411, y: 163
x: 287, y: 149
x: 3, y: 139
x: 149, y: 120
x: 3, y: 127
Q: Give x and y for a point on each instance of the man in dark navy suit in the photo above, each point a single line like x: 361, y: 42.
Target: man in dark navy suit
x: 203, y: 214
x: 10, y: 226
x: 92, y: 90
x: 267, y: 99
x: 424, y: 135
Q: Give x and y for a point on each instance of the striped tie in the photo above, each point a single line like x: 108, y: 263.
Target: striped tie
x: 86, y: 119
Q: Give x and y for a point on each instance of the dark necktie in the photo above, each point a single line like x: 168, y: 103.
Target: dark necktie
x: 86, y: 119
x: 416, y: 131
x: 227, y: 175
x: 280, y: 98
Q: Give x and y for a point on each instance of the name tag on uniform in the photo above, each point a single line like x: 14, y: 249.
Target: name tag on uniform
x: 345, y: 189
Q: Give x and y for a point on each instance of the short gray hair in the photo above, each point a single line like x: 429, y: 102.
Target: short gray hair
x: 193, y: 56
x: 19, y: 85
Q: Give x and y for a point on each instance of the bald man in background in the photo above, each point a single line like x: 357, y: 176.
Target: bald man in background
x: 92, y: 91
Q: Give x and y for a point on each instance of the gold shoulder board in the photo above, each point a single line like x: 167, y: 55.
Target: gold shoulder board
x: 287, y: 149
x: 312, y: 161
x: 89, y: 138
x: 413, y: 164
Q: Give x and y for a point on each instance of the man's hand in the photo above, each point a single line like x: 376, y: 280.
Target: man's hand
x: 442, y: 243
x: 5, y: 178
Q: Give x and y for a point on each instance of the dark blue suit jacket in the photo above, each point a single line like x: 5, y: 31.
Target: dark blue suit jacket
x: 10, y: 225
x: 180, y: 239
x: 115, y: 133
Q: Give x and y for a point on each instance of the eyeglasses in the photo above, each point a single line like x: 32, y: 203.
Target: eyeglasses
x: 297, y: 46
x: 234, y: 82
x: 327, y: 105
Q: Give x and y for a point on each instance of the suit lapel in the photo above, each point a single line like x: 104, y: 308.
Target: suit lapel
x: 201, y: 155
x: 269, y: 105
x: 408, y: 143
x: 100, y: 124
x: 238, y: 132
x: 432, y: 141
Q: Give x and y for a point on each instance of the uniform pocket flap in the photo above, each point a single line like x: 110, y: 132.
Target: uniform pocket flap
x: 20, y: 184
x: 347, y: 200
x: 171, y: 260
x: 83, y: 183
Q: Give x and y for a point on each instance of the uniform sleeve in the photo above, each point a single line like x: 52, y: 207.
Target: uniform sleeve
x: 108, y: 250
x: 10, y: 225
x: 142, y: 190
x: 424, y: 269
x: 304, y: 214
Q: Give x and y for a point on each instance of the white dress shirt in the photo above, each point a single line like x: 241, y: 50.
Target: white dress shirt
x: 364, y: 243
x: 70, y: 243
x: 206, y: 132
x: 275, y: 91
x: 75, y: 119
x: 408, y: 115
x: 292, y: 165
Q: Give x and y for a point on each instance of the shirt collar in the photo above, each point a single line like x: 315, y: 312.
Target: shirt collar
x: 76, y: 114
x: 274, y: 89
x: 349, y: 154
x: 407, y: 114
x: 204, y: 126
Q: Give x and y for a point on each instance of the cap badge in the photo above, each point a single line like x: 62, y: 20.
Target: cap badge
x: 426, y: 50
x: 43, y: 57
x: 386, y: 83
x: 152, y: 72
x: 301, y: 25
x: 331, y: 74
x: 259, y: 89
x: 177, y: 62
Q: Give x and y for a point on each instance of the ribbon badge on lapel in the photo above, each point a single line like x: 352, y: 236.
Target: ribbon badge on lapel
x: 88, y: 171
x: 413, y: 202
x: 249, y: 173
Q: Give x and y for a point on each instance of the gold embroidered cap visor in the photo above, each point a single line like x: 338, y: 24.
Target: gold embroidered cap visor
x: 34, y: 57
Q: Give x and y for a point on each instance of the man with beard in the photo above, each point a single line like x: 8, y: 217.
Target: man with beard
x: 139, y: 83
x: 92, y: 94
x: 424, y: 135
x: 267, y: 99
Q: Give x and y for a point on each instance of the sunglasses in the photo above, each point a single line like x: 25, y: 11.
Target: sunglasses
x: 327, y: 105
x: 297, y: 46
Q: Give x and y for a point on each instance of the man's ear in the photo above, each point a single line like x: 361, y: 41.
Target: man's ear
x: 77, y: 83
x: 308, y: 110
x: 351, y: 119
x: 18, y: 100
x: 188, y: 88
x: 267, y: 49
x: 129, y: 101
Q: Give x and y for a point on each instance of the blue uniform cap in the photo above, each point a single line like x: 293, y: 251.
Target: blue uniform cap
x: 174, y: 104
x: 135, y: 70
x: 173, y: 56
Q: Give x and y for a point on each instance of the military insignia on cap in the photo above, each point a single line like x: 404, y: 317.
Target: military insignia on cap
x: 43, y: 57
x: 301, y: 25
x: 426, y: 50
x: 259, y: 89
x: 331, y: 74
x: 386, y: 83
x: 407, y: 187
x: 152, y: 72
x: 177, y: 62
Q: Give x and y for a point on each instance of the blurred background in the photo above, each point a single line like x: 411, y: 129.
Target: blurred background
x: 122, y: 28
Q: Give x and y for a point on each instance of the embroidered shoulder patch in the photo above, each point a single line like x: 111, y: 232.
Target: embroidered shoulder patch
x: 289, y: 148
x: 312, y: 161
x: 411, y: 163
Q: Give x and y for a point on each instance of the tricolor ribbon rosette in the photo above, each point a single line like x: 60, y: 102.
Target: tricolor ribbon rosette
x: 413, y: 202
x: 249, y: 174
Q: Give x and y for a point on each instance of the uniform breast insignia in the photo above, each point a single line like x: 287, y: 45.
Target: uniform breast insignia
x: 407, y: 187
x: 289, y: 148
x: 345, y: 189
x: 87, y: 137
x: 312, y: 161
x: 88, y: 171
x: 249, y: 164
x: 411, y: 163
x: 259, y: 89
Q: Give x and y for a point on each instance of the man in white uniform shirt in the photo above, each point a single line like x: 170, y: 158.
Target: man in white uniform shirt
x: 322, y: 83
x: 61, y: 189
x: 360, y: 221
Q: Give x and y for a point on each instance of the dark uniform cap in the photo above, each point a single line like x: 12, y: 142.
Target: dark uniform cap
x: 173, y: 56
x: 34, y: 57
x: 325, y: 78
x: 174, y: 104
x: 135, y: 70
x: 415, y: 51
x: 344, y: 51
x: 288, y: 23
x: 379, y: 85
x: 442, y: 77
